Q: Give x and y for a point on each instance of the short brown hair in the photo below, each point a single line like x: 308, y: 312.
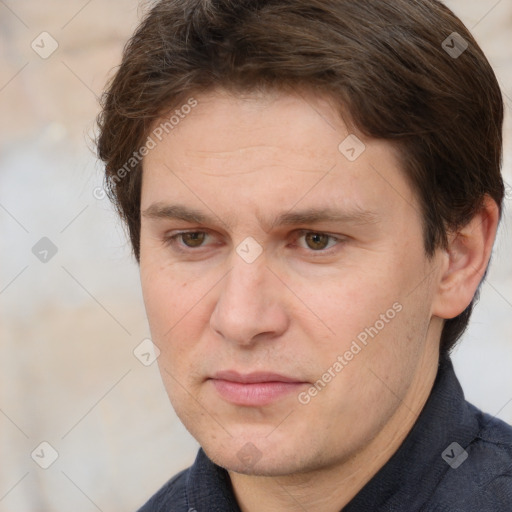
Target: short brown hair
x: 386, y: 62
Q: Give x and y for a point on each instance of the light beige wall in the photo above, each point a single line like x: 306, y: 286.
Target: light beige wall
x: 68, y: 327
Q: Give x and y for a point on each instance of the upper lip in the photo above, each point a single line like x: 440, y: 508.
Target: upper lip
x: 253, y: 377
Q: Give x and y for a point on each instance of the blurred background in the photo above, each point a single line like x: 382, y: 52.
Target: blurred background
x: 74, y: 398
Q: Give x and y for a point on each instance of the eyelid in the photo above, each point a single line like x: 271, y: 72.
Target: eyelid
x: 173, y: 237
x: 301, y: 232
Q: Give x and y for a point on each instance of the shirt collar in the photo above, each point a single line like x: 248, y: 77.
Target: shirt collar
x: 412, y: 474
x: 209, y: 487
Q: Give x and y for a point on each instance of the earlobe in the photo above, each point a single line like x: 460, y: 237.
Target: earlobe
x: 465, y: 261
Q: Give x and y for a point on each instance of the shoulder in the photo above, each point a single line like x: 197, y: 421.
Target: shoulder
x: 483, y: 480
x: 171, y: 497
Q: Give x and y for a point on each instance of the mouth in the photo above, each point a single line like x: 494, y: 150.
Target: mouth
x: 254, y: 389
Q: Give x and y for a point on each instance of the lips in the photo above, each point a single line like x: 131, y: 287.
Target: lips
x: 254, y: 389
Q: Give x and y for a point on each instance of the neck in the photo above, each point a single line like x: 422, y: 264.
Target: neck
x: 332, y: 488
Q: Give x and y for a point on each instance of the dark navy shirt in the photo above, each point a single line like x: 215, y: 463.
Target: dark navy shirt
x: 455, y: 459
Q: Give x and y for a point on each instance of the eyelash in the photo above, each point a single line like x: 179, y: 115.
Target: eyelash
x: 172, y: 241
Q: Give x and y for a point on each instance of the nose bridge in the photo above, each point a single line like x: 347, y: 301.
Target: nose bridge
x: 248, y: 303
x: 246, y: 273
x: 246, y: 288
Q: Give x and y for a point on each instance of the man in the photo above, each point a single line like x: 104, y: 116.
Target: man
x: 312, y: 191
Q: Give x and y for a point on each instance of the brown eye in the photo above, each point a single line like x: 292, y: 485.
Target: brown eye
x: 193, y: 239
x: 317, y: 241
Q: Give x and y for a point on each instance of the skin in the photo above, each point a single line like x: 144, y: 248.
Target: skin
x: 244, y: 160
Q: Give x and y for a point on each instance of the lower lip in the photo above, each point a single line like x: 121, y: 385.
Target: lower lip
x: 254, y: 394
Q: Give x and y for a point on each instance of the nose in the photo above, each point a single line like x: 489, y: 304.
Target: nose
x: 251, y: 304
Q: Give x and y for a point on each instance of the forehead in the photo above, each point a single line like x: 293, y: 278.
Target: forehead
x: 273, y: 150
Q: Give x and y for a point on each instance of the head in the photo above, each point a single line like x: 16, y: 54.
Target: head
x: 242, y: 123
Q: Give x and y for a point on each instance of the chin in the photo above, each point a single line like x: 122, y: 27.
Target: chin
x: 258, y: 458
x: 232, y: 463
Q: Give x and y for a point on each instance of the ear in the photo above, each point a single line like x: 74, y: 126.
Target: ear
x: 465, y: 261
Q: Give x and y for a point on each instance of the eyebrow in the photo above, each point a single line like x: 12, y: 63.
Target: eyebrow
x: 307, y: 216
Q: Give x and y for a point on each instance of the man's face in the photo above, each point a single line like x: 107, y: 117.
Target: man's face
x: 289, y: 341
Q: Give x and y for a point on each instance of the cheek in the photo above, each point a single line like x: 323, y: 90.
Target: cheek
x: 376, y: 315
x: 379, y: 358
x: 350, y: 303
x: 176, y: 308
x: 167, y: 291
x: 165, y: 302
